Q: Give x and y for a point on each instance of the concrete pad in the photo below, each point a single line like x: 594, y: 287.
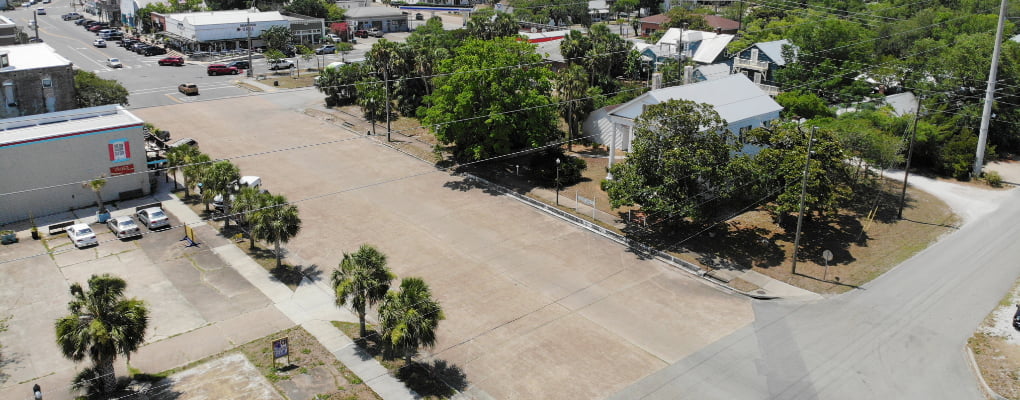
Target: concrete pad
x: 253, y: 325
x: 229, y: 377
x: 180, y: 350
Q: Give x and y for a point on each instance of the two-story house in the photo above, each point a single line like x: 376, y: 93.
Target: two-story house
x: 35, y: 80
x: 760, y: 63
x: 701, y: 47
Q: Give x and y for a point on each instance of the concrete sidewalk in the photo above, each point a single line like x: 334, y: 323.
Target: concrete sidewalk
x: 311, y: 305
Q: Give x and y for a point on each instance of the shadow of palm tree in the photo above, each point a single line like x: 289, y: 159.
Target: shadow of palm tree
x: 437, y: 378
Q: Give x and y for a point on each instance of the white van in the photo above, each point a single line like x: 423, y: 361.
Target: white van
x: 245, y: 181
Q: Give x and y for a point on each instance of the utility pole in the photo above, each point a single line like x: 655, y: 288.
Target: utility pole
x: 35, y: 23
x: 803, y: 192
x: 986, y: 113
x: 386, y: 81
x: 251, y: 67
x: 910, y: 154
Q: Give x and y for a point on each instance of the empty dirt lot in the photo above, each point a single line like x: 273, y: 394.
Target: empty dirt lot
x: 535, y: 307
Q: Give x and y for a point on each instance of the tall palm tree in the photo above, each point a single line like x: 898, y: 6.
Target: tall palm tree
x: 362, y: 280
x: 409, y: 318
x: 276, y: 222
x: 219, y: 179
x: 102, y: 324
x: 194, y: 170
x: 178, y: 157
x: 249, y: 200
x: 572, y: 88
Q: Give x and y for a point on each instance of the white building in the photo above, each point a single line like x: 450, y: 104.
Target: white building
x: 216, y: 29
x: 739, y: 101
x: 383, y: 18
x: 129, y: 11
x: 58, y: 150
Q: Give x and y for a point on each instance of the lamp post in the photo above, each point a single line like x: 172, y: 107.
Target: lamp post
x: 557, y: 181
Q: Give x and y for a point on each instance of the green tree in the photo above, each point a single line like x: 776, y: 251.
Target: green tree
x: 679, y: 17
x: 362, y: 280
x: 679, y: 161
x: 219, y: 180
x: 277, y: 222
x: 273, y: 55
x: 372, y: 99
x: 96, y: 186
x: 339, y: 83
x: 311, y: 8
x: 90, y: 90
x: 102, y: 324
x: 409, y: 318
x: 249, y: 200
x: 178, y: 157
x: 802, y: 104
x: 277, y: 38
x: 478, y: 95
x: 487, y: 24
x: 343, y: 48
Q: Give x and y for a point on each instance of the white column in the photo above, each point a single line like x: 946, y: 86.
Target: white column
x: 612, y: 152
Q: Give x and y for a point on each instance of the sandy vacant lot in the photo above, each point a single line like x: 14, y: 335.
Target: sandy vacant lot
x: 535, y: 307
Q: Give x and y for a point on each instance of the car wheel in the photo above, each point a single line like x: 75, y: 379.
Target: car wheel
x: 235, y: 72
x: 211, y: 74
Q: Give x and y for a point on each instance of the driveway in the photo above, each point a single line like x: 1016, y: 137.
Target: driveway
x: 535, y: 307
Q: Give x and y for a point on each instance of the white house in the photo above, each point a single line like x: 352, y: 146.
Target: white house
x: 739, y: 101
x: 702, y: 47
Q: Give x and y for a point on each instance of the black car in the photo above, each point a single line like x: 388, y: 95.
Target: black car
x: 82, y: 21
x: 152, y: 51
x: 1016, y: 318
x: 239, y: 64
x: 126, y: 43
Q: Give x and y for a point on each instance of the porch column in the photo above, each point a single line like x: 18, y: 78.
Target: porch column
x: 612, y: 152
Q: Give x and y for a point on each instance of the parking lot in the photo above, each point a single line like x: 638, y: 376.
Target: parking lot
x: 189, y: 290
x: 535, y: 307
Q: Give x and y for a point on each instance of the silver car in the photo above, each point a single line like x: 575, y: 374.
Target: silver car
x: 124, y: 227
x: 153, y: 218
x: 81, y: 235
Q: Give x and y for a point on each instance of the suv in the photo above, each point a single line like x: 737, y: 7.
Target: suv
x: 152, y: 51
x: 70, y: 16
x: 221, y: 69
x: 326, y: 49
x: 281, y: 64
x: 375, y: 32
x: 361, y: 33
x: 239, y: 64
x: 178, y: 61
x: 188, y: 89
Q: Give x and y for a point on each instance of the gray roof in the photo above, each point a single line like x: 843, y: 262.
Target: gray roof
x: 774, y: 50
x: 373, y: 12
x: 550, y: 50
x: 734, y: 97
x: 903, y: 103
x: 714, y: 71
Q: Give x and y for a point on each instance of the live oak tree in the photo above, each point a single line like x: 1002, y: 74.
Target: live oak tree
x: 491, y: 98
x: 679, y: 161
x: 90, y: 90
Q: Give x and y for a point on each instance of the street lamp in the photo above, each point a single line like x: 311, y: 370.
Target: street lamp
x: 557, y: 181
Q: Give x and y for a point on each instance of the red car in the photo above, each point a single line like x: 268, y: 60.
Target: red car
x: 221, y: 69
x: 178, y: 61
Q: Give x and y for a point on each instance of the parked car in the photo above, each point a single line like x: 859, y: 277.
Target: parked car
x: 136, y: 46
x: 127, y: 43
x: 361, y: 33
x: 115, y: 36
x: 114, y: 63
x: 375, y: 32
x: 239, y: 64
x: 123, y: 227
x: 326, y: 49
x: 188, y: 89
x: 98, y: 27
x: 152, y: 51
x: 333, y: 37
x: 178, y: 61
x: 82, y: 21
x: 99, y: 43
x: 81, y: 235
x: 71, y: 16
x: 153, y: 218
x: 185, y: 141
x: 281, y: 64
x: 245, y: 181
x: 221, y: 69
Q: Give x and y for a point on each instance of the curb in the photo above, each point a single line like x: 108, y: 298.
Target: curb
x: 977, y: 371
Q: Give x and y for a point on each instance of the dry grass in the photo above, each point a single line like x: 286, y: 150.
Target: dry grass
x: 999, y: 363
x: 305, y: 79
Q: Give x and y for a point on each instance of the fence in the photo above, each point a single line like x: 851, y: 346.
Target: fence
x: 632, y: 244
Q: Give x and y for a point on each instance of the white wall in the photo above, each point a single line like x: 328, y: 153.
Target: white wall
x: 599, y: 125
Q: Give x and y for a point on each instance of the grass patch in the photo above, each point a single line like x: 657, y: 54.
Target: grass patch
x: 432, y: 380
x: 306, y: 79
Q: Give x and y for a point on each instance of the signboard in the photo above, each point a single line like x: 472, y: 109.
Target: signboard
x: 280, y: 348
x: 586, y: 200
x: 122, y: 169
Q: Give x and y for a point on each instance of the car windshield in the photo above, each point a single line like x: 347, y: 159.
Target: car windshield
x: 157, y: 214
x: 83, y: 231
x: 127, y: 223
x: 113, y: 60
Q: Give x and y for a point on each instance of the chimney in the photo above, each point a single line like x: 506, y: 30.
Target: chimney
x: 688, y: 74
x: 657, y: 80
x: 718, y: 30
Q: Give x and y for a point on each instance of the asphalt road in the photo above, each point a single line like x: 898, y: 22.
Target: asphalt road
x: 901, y: 336
x: 148, y: 83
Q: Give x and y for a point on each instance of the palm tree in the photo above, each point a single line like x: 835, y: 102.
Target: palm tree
x: 276, y: 222
x: 249, y: 200
x: 96, y: 185
x: 572, y: 88
x: 194, y: 169
x: 219, y: 179
x: 178, y: 157
x: 409, y: 318
x: 102, y: 324
x: 362, y: 279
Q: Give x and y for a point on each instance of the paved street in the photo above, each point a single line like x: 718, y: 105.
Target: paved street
x: 900, y: 337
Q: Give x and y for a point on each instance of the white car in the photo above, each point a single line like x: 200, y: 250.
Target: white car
x: 40, y: 11
x: 99, y: 43
x: 281, y: 64
x: 333, y: 37
x: 81, y: 235
x: 123, y: 227
x: 153, y: 218
x: 114, y: 63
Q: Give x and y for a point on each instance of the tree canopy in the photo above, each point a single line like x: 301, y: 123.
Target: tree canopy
x: 90, y: 90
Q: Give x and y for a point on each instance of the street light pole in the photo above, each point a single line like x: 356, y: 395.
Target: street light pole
x: 557, y: 181
x: 251, y: 67
x: 803, y: 192
x: 910, y: 153
x: 386, y: 83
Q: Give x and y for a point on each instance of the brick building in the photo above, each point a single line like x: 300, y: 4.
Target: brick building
x: 35, y: 80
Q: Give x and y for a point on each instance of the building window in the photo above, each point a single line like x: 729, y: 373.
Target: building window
x: 742, y: 135
x: 9, y: 98
x: 4, y: 60
x: 47, y: 82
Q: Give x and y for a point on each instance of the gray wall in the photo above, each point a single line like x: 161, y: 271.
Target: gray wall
x: 30, y: 95
x: 57, y: 162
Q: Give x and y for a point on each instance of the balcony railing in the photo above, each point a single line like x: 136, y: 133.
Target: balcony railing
x: 745, y: 63
x: 772, y: 91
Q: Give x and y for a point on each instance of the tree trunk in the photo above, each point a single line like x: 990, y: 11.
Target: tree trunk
x: 107, y: 375
x: 251, y: 241
x: 187, y: 193
x: 361, y: 318
x: 278, y: 255
x: 226, y: 213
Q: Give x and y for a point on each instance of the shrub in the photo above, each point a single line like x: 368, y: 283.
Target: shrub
x: 993, y: 178
x: 544, y: 166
